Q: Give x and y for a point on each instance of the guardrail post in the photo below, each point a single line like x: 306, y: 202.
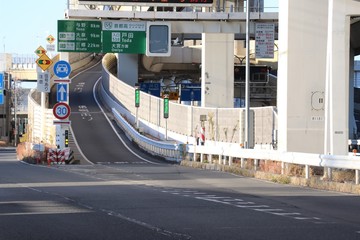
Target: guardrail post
x: 307, y: 171
x: 201, y: 157
x: 328, y: 172
x: 242, y: 162
x: 356, y: 176
x: 256, y: 161
x: 220, y: 159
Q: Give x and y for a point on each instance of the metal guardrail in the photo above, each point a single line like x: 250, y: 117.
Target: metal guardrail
x: 231, y: 151
x: 169, y: 151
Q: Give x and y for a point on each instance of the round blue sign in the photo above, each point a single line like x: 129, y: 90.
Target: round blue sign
x: 62, y: 69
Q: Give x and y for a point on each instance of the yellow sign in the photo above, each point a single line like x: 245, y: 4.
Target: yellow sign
x: 40, y: 51
x: 50, y: 39
x: 44, y: 62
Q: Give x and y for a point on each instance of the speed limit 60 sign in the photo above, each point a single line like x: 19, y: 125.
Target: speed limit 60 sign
x: 61, y: 110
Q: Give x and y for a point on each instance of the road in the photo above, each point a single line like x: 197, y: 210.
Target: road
x: 122, y: 196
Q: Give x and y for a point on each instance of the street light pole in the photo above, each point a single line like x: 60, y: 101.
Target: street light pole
x: 247, y: 75
x: 4, y: 108
x: 15, y: 115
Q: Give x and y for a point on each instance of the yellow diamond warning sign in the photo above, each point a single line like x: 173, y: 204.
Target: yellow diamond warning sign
x: 50, y: 39
x: 44, y: 62
x: 40, y: 51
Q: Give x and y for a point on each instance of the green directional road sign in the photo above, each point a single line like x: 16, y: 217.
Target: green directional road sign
x: 79, y: 36
x: 124, y: 37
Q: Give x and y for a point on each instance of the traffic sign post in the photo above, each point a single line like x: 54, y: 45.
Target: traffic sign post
x: 137, y: 97
x: 61, y: 110
x: 166, y: 113
x: 44, y: 62
x: 124, y: 37
x: 50, y: 39
x: 79, y: 36
x: 166, y: 106
x: 62, y: 69
x: 43, y: 81
x: 61, y: 92
x: 40, y: 51
x: 137, y: 104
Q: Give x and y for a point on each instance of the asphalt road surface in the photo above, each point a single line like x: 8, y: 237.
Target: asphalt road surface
x: 122, y: 196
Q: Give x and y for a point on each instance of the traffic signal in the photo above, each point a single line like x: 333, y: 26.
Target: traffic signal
x: 66, y: 138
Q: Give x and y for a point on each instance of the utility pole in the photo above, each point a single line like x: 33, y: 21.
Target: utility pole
x: 15, y: 114
x: 247, y: 75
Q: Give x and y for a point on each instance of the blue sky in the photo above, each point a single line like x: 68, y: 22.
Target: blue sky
x: 25, y: 24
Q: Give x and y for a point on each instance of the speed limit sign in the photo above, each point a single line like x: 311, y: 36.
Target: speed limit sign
x: 61, y: 110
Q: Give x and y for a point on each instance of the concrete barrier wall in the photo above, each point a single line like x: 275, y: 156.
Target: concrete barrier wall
x: 36, y: 115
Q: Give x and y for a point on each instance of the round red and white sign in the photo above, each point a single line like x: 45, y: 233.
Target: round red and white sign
x: 61, y: 110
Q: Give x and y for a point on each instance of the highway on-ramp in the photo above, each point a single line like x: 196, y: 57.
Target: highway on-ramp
x: 95, y: 136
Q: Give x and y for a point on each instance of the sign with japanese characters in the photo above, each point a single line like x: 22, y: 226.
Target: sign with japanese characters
x: 124, y: 37
x: 264, y: 40
x: 43, y: 82
x: 79, y: 36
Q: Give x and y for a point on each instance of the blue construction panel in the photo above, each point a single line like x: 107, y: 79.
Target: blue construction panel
x: 190, y: 92
x: 151, y: 88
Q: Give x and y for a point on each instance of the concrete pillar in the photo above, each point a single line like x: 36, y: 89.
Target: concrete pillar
x: 128, y: 68
x: 301, y: 75
x: 217, y: 74
x: 337, y: 79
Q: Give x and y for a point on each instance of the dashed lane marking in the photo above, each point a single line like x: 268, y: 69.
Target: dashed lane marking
x: 241, y: 203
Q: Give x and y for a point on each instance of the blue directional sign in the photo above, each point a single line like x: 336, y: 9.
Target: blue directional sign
x: 190, y: 92
x: 1, y: 96
x: 1, y: 80
x: 151, y: 88
x: 61, y: 92
x: 62, y: 69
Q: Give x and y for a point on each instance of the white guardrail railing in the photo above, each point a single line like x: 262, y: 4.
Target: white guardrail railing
x: 169, y: 151
x: 230, y: 151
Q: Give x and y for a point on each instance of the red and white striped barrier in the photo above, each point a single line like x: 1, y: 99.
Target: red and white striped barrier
x: 202, y: 136
x: 58, y: 156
